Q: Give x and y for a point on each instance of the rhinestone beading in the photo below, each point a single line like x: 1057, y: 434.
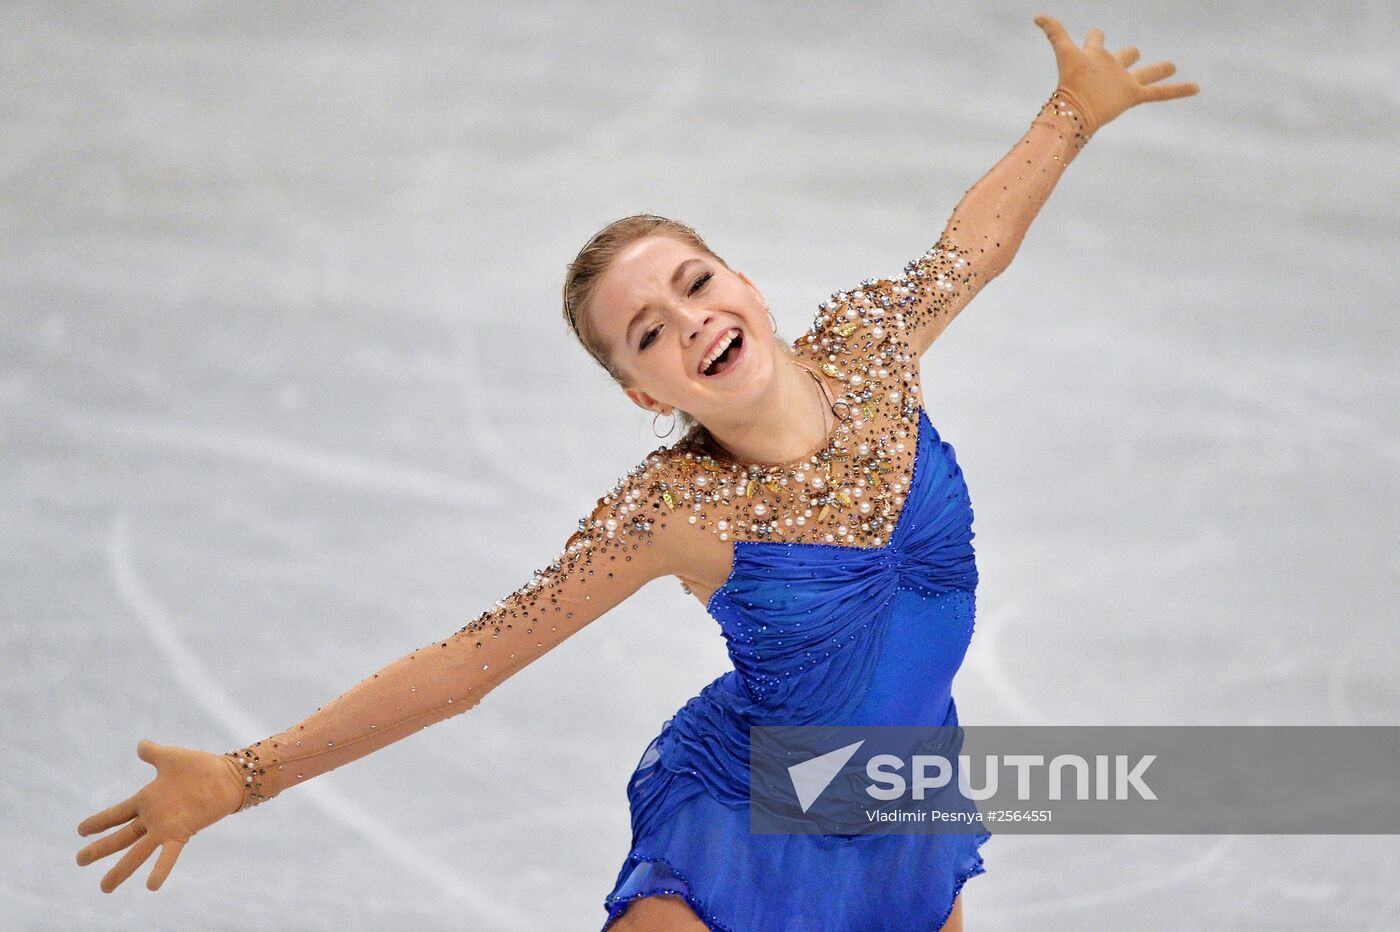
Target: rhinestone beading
x: 251, y: 767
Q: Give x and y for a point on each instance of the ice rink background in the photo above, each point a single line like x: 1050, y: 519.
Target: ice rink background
x: 286, y: 394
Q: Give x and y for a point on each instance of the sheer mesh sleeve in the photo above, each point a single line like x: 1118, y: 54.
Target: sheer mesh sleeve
x: 985, y: 229
x: 622, y: 544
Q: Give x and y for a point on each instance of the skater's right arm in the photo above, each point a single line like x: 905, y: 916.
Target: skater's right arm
x: 629, y: 538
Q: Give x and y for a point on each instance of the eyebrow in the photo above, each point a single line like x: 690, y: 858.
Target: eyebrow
x: 676, y: 276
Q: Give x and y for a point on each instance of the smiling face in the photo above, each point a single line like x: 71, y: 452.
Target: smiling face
x: 663, y: 309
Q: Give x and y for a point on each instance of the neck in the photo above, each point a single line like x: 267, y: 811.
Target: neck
x: 789, y: 422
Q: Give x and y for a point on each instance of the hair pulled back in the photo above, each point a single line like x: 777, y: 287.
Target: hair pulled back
x: 581, y: 280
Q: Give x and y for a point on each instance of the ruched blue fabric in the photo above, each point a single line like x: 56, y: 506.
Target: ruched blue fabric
x: 820, y: 634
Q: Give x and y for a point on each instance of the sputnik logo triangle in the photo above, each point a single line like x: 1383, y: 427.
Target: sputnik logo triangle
x: 811, y: 777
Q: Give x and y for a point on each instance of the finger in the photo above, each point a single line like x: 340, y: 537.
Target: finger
x: 1054, y: 30
x: 148, y: 751
x: 112, y: 815
x: 1170, y: 91
x: 169, y: 852
x: 1060, y: 42
x: 1126, y: 55
x: 128, y: 864
x: 1155, y: 72
x: 1095, y: 38
x: 112, y: 843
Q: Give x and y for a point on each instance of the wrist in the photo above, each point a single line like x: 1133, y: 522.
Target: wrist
x: 1074, y: 106
x: 1063, y: 112
x: 250, y: 770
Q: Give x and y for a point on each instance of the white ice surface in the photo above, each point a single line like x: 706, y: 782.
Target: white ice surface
x: 285, y: 393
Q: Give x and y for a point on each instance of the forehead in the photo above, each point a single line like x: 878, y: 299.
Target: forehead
x: 642, y: 269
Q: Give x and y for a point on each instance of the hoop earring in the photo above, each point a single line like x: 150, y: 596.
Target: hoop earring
x: 774, y: 319
x: 673, y: 424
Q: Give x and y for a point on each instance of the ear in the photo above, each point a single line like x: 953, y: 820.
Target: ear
x: 642, y: 400
x: 748, y: 282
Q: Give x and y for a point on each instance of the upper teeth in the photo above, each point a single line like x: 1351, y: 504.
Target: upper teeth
x: 719, y: 349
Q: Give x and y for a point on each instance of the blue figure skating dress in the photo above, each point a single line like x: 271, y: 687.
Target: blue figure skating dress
x: 819, y: 634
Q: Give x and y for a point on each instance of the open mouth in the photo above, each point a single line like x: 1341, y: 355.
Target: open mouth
x: 725, y: 354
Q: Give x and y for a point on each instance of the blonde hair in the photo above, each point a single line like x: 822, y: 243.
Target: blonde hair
x: 593, y: 260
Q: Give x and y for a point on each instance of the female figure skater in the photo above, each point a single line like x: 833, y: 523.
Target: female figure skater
x: 810, y: 505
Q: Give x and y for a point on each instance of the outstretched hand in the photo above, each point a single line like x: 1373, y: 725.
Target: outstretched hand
x: 1098, y: 83
x: 191, y: 790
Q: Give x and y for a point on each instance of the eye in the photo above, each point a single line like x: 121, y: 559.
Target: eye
x: 700, y: 282
x: 648, y: 337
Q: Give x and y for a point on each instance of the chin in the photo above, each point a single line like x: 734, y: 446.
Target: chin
x: 754, y: 373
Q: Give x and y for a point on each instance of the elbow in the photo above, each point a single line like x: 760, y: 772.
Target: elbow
x: 994, y: 262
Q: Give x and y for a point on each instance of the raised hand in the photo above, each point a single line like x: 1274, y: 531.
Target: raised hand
x: 1098, y: 83
x: 191, y: 790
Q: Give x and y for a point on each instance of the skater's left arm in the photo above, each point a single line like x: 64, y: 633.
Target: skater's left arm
x: 987, y: 226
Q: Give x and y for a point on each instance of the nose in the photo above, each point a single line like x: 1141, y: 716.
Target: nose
x: 693, y: 322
